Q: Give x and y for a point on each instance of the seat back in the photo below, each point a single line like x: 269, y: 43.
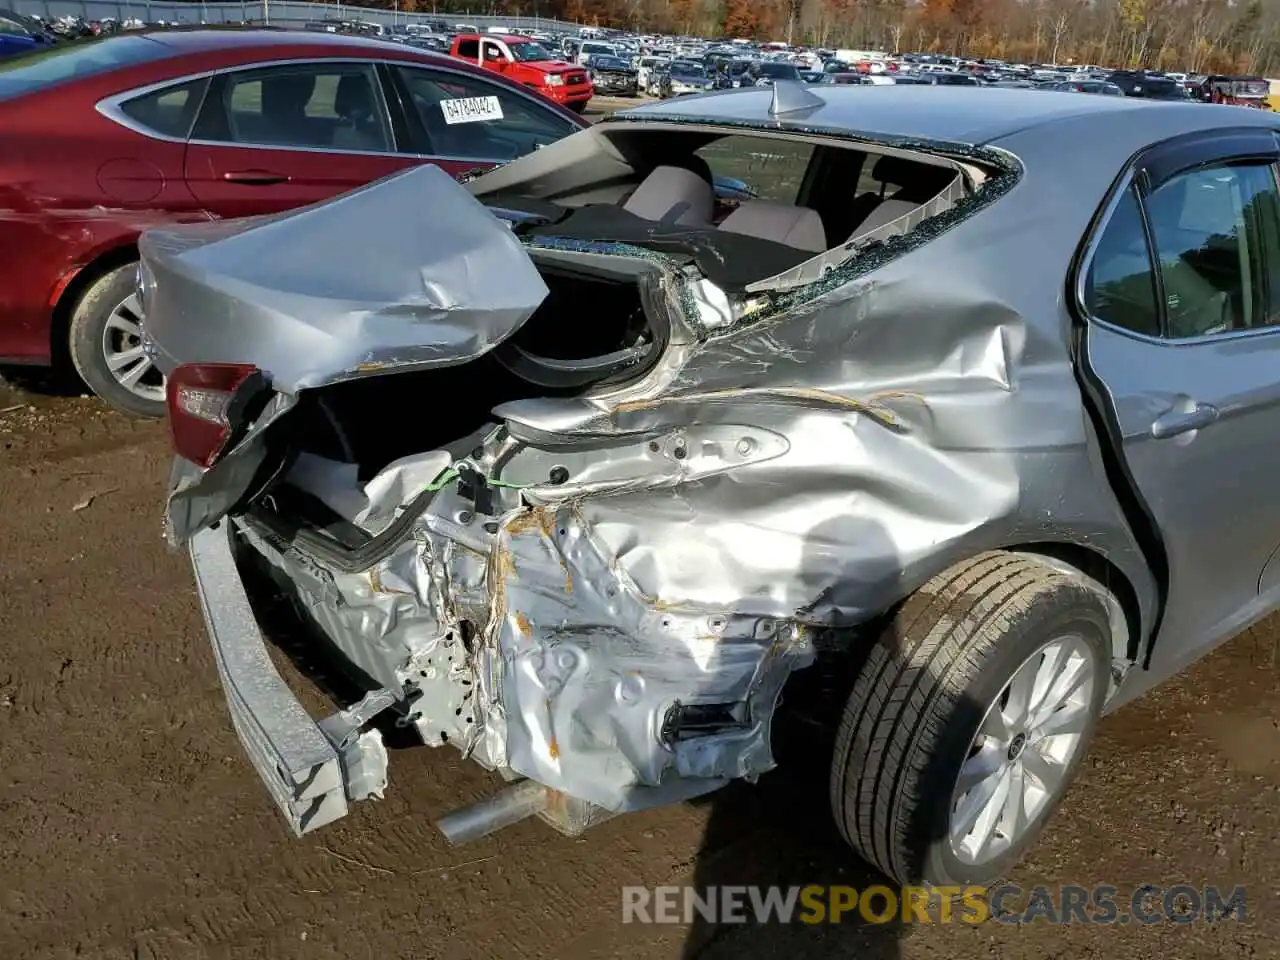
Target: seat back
x: 675, y: 195
x: 904, y: 186
x: 357, y: 127
x: 797, y: 227
x: 284, y: 109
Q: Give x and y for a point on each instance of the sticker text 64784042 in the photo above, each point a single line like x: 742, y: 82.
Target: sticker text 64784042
x: 471, y: 109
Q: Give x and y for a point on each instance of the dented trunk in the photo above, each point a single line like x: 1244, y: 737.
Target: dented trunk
x: 588, y: 547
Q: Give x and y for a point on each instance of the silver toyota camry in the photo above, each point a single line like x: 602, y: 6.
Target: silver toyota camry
x: 971, y: 393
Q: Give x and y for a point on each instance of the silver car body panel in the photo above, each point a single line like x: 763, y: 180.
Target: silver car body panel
x: 785, y: 469
x: 313, y: 301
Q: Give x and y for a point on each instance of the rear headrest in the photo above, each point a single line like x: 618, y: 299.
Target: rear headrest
x: 797, y: 227
x: 667, y: 188
x: 287, y: 94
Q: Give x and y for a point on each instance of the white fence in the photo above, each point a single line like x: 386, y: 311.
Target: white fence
x: 283, y: 13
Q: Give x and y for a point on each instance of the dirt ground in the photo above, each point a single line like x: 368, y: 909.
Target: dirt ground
x: 131, y: 826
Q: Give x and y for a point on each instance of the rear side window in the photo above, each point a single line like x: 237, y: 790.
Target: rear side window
x: 469, y: 49
x: 1214, y: 230
x: 54, y: 65
x: 169, y: 112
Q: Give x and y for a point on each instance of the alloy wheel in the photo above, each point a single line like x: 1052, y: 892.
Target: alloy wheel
x: 125, y: 357
x: 1018, y: 761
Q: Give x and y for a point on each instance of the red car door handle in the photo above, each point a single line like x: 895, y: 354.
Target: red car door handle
x: 256, y: 177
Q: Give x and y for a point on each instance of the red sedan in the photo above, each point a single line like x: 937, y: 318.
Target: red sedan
x: 102, y: 140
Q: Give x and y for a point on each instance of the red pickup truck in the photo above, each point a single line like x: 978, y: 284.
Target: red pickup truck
x: 529, y: 62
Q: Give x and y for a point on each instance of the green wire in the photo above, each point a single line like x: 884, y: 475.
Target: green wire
x: 450, y: 475
x: 442, y: 481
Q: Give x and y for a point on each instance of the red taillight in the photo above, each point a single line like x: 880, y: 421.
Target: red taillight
x: 199, y: 397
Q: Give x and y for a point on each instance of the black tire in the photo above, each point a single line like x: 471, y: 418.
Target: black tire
x: 921, y: 695
x: 579, y: 107
x: 88, y: 326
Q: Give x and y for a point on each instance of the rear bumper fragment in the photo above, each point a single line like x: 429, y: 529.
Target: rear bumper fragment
x: 311, y: 769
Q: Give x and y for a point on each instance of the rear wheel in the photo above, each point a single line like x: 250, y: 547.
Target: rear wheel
x: 578, y: 107
x: 106, y: 345
x: 969, y: 720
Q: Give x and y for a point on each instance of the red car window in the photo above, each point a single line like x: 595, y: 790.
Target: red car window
x: 335, y: 105
x: 169, y: 112
x: 468, y: 117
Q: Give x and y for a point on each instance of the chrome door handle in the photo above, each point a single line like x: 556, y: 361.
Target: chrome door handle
x: 1179, y: 421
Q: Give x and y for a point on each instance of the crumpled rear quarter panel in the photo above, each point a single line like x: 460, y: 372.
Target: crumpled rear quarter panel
x: 760, y: 483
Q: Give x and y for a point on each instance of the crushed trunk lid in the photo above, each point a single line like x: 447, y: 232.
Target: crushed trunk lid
x: 408, y: 273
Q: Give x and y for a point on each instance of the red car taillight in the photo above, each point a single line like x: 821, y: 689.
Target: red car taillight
x: 200, y: 398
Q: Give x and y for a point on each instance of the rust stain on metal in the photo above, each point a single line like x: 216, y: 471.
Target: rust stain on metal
x: 553, y: 747
x: 376, y: 585
x: 523, y: 624
x: 540, y: 519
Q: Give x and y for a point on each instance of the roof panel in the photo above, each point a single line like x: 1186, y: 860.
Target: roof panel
x: 957, y: 113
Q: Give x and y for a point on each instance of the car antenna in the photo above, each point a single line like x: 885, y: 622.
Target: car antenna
x: 791, y: 96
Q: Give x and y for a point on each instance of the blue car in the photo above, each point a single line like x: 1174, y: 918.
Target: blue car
x: 16, y: 37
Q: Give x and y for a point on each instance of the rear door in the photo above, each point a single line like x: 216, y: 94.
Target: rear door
x: 1182, y: 291
x: 273, y: 138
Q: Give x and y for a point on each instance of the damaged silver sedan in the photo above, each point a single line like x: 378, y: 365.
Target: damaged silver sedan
x: 575, y: 465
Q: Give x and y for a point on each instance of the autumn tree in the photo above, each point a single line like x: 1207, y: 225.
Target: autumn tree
x: 1192, y: 35
x: 741, y: 19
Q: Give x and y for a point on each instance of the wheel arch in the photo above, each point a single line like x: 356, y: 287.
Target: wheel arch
x: 1094, y: 566
x: 96, y: 268
x: 1111, y: 581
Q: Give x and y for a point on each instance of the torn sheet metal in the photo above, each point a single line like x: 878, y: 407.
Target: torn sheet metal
x: 921, y: 421
x: 199, y: 497
x: 590, y: 677
x: 310, y: 300
x: 580, y: 680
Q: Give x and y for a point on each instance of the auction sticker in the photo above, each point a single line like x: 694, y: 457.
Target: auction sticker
x: 471, y: 109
